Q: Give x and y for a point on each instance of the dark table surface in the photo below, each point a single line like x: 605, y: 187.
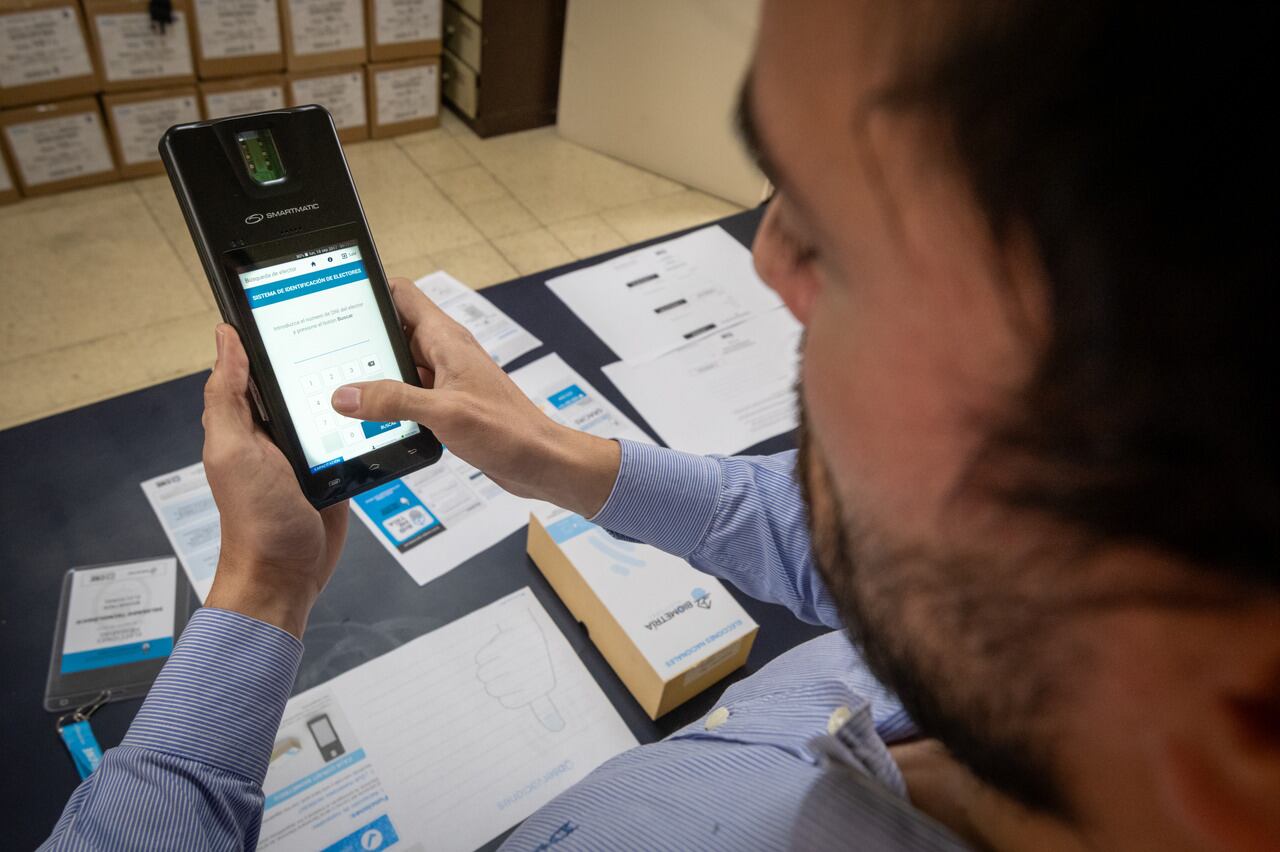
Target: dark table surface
x: 72, y: 497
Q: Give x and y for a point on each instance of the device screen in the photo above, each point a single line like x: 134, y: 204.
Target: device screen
x: 321, y: 327
x: 322, y: 731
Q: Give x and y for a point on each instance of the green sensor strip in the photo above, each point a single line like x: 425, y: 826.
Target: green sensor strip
x: 260, y: 156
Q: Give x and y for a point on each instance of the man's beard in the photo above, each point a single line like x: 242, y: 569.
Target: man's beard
x: 963, y: 665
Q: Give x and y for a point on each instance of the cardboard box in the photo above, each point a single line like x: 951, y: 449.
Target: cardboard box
x: 44, y: 52
x: 343, y: 93
x: 668, y: 630
x: 234, y: 38
x: 403, y: 29
x: 137, y: 120
x: 58, y: 146
x: 404, y: 97
x: 133, y: 54
x: 8, y: 189
x: 221, y: 98
x: 323, y: 33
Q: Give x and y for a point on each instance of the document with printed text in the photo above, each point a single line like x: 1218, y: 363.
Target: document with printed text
x: 443, y: 743
x: 184, y: 504
x: 650, y: 301
x: 724, y: 393
x: 502, y: 337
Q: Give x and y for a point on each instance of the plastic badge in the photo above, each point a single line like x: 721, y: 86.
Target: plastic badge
x: 79, y: 739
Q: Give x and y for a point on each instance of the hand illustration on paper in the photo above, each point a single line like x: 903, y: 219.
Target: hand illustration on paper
x: 515, y: 668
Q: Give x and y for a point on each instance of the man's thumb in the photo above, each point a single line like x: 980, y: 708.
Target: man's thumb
x: 384, y: 400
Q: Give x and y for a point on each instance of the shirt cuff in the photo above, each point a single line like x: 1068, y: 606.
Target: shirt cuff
x: 662, y: 497
x: 219, y: 698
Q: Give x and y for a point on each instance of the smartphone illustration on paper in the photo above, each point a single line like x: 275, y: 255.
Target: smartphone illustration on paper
x: 326, y: 738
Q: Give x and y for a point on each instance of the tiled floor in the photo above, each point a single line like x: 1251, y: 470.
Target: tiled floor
x: 101, y: 292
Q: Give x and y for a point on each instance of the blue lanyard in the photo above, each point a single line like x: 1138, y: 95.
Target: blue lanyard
x: 78, y: 737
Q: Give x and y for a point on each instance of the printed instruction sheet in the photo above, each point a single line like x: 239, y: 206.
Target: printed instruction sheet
x: 184, y: 504
x: 445, y: 742
x: 438, y: 517
x: 650, y: 301
x: 502, y: 337
x: 565, y: 396
x: 723, y: 393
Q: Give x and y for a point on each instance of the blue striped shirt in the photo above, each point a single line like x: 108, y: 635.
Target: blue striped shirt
x: 794, y: 756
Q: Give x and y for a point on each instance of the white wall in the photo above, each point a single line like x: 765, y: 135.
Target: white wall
x: 654, y: 83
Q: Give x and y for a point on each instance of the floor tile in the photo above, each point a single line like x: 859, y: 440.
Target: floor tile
x: 558, y: 180
x: 435, y: 151
x: 655, y: 217
x: 469, y: 186
x: 454, y: 126
x: 73, y: 340
x: 477, y: 266
x: 408, y: 216
x: 413, y: 268
x: 31, y: 206
x: 533, y: 251
x: 587, y: 236
x: 157, y: 194
x: 75, y: 375
x: 500, y: 217
x: 86, y: 270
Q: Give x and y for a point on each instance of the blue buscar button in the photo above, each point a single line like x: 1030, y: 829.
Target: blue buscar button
x: 376, y: 427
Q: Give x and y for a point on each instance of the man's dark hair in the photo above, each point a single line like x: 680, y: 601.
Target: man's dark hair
x: 1128, y: 141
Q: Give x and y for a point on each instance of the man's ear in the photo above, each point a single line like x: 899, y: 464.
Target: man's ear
x: 1225, y: 783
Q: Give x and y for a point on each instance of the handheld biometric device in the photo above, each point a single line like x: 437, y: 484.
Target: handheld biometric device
x: 275, y: 218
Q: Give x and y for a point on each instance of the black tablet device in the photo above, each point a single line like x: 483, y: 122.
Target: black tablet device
x: 283, y: 240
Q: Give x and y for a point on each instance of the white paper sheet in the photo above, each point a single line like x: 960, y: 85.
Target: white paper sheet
x: 502, y: 337
x: 723, y: 393
x: 443, y: 743
x: 653, y: 300
x: 436, y: 518
x: 184, y: 504
x: 566, y: 396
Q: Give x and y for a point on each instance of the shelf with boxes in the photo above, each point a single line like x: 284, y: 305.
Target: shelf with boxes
x: 87, y: 87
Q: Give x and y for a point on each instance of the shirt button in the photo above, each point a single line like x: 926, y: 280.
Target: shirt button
x: 718, y: 717
x: 837, y: 719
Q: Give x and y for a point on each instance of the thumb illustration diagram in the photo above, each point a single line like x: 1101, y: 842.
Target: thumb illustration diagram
x: 515, y: 668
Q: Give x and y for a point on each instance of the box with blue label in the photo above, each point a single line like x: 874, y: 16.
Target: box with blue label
x: 668, y: 630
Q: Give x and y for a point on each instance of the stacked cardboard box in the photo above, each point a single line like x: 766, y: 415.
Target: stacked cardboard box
x: 323, y: 36
x: 87, y: 87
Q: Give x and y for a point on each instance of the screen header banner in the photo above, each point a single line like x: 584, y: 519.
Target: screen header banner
x: 302, y: 285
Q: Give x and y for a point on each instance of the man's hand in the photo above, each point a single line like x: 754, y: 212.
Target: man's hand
x: 481, y: 416
x: 278, y: 552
